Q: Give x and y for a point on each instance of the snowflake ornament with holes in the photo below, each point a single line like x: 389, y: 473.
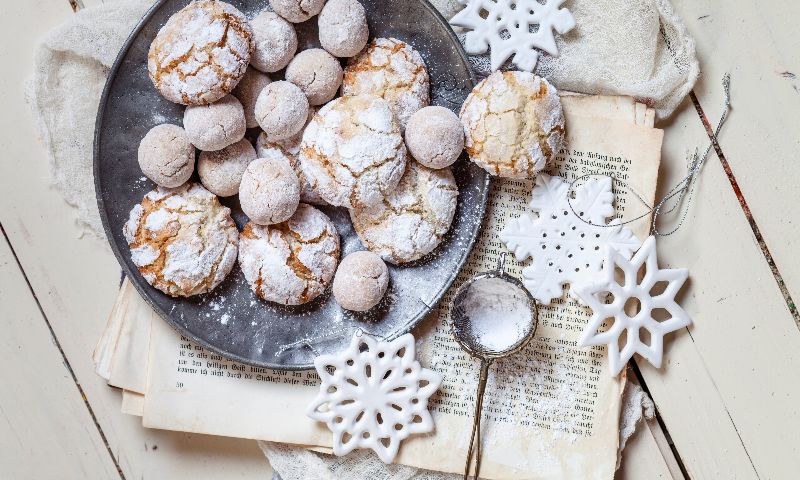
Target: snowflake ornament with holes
x: 509, y: 27
x: 564, y: 248
x: 658, y: 313
x: 374, y: 394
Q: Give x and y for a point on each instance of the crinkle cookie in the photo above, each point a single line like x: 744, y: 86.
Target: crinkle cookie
x: 166, y: 156
x: 290, y: 148
x: 297, y: 11
x: 411, y: 222
x: 201, y: 53
x: 269, y: 192
x: 221, y: 171
x: 183, y: 240
x: 392, y: 70
x: 514, y: 124
x: 360, y: 281
x: 352, y: 151
x: 293, y: 262
x: 215, y: 126
x: 275, y: 42
x: 343, y: 29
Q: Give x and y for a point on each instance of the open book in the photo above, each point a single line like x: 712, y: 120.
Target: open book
x: 551, y: 411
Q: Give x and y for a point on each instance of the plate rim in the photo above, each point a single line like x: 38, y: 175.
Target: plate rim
x: 141, y: 290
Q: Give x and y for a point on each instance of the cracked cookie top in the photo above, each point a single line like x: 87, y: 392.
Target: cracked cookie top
x: 166, y: 156
x: 201, y: 53
x: 297, y: 11
x: 183, y: 240
x: 390, y: 69
x: 290, y: 148
x: 411, y: 222
x: 352, y: 152
x: 514, y: 124
x: 293, y: 262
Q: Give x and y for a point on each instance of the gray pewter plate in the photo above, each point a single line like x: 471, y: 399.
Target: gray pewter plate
x: 231, y: 320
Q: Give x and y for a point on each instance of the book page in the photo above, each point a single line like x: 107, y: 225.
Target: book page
x: 551, y: 411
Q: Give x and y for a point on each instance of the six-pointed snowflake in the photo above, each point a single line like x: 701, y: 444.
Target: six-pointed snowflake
x: 564, y: 248
x: 373, y: 395
x: 645, y: 308
x: 513, y: 27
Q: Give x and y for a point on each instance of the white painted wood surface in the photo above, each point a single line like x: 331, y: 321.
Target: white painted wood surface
x: 727, y: 395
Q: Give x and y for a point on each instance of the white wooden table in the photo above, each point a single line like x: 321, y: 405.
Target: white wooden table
x: 728, y: 397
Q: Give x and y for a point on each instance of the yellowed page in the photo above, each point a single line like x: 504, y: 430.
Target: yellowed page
x: 132, y: 403
x: 552, y: 412
x: 129, y: 362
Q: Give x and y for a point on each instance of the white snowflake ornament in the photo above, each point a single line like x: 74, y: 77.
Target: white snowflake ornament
x: 513, y: 27
x: 564, y: 248
x: 657, y: 314
x: 374, y: 395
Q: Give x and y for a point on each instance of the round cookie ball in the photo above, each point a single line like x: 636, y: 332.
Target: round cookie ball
x: 201, y: 53
x: 182, y: 240
x: 281, y: 110
x: 270, y: 191
x: 290, y: 148
x: 221, y: 171
x: 247, y: 93
x: 412, y: 221
x: 297, y: 11
x: 275, y: 42
x: 352, y: 152
x: 392, y: 70
x: 166, y: 156
x: 317, y: 73
x: 215, y: 126
x: 343, y: 29
x: 514, y: 124
x: 435, y: 137
x: 293, y: 262
x: 360, y: 281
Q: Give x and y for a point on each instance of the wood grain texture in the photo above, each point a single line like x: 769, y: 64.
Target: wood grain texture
x: 76, y: 278
x: 730, y: 411
x: 758, y: 44
x: 45, y: 428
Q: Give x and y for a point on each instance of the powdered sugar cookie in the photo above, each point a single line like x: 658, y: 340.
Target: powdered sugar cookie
x: 317, y: 73
x: 352, y: 151
x: 269, y: 192
x: 183, y: 241
x: 411, y: 222
x: 360, y: 281
x: 514, y: 124
x: 435, y: 137
x: 275, y: 42
x: 221, y: 171
x: 343, y: 29
x: 290, y: 148
x: 392, y: 70
x: 293, y: 262
x: 166, y: 156
x: 281, y: 110
x: 215, y: 126
x: 201, y: 53
x: 297, y: 11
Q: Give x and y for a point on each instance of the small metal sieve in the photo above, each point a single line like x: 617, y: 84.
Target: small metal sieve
x: 464, y: 333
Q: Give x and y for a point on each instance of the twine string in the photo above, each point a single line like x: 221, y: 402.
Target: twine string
x: 683, y: 190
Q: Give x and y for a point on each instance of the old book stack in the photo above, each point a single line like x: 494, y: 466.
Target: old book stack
x: 552, y: 409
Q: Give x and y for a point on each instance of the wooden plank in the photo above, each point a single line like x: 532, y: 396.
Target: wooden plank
x: 46, y: 430
x: 76, y: 279
x: 729, y: 410
x: 758, y: 44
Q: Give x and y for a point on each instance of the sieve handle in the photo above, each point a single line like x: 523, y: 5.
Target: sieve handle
x: 476, y: 422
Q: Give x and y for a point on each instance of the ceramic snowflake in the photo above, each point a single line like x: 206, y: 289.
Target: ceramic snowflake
x: 374, y: 395
x: 513, y: 27
x: 564, y: 248
x: 639, y: 308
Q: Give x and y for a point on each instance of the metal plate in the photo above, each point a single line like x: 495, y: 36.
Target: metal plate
x: 231, y: 320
